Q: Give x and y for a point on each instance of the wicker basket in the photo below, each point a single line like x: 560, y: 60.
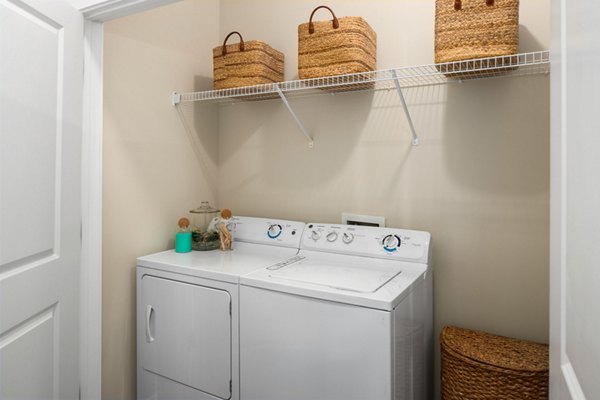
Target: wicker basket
x: 469, y: 29
x: 341, y: 46
x: 478, y: 365
x: 245, y: 64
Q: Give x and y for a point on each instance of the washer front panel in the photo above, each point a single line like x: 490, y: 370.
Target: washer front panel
x: 297, y: 348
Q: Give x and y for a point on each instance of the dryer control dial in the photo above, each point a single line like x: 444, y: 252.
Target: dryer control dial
x: 347, y: 237
x: 332, y: 236
x: 391, y: 243
x: 274, y: 231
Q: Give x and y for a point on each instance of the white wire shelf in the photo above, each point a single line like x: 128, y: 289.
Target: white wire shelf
x: 408, y: 77
x: 532, y: 63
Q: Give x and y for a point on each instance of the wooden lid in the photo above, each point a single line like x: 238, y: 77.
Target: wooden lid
x: 498, y: 351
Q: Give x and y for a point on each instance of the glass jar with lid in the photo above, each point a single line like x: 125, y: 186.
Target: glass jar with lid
x: 205, y: 235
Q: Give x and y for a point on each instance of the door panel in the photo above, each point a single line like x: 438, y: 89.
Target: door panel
x: 29, y: 143
x: 575, y: 277
x: 27, y: 356
x: 187, y: 334
x: 41, y: 70
x: 581, y: 361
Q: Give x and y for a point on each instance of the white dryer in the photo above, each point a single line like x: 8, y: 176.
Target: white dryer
x: 188, y: 311
x: 348, y: 318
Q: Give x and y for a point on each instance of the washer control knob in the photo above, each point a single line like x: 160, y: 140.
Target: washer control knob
x: 315, y: 235
x: 391, y: 243
x: 347, y: 238
x: 274, y: 231
x: 332, y: 236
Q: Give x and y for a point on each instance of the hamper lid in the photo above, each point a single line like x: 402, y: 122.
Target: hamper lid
x: 498, y: 351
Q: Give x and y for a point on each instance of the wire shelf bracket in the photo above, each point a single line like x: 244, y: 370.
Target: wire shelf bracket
x: 311, y: 143
x: 415, y: 138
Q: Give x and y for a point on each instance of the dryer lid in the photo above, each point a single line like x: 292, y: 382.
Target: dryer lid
x: 350, y: 274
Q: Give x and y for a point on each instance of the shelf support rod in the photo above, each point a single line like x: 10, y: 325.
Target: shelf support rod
x: 415, y: 139
x: 298, y: 122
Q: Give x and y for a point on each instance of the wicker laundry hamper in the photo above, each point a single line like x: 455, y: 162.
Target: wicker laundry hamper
x: 481, y: 366
x: 471, y: 29
x: 246, y: 64
x: 346, y: 45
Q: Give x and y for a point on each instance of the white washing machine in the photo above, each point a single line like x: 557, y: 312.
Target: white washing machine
x: 348, y: 318
x: 188, y: 311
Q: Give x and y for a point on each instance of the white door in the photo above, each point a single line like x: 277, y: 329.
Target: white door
x: 41, y: 67
x: 575, y: 220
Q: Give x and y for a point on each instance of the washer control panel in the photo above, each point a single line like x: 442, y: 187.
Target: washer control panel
x: 368, y: 241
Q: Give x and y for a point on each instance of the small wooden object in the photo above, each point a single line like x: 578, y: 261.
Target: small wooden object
x: 183, y: 223
x: 224, y: 234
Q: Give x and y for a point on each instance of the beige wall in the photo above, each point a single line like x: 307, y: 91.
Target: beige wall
x: 157, y: 163
x: 479, y: 181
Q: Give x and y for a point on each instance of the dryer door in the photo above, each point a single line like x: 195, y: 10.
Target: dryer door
x: 187, y: 334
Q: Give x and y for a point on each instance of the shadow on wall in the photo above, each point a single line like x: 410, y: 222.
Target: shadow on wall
x: 336, y: 123
x: 206, y: 120
x: 267, y: 138
x: 477, y: 134
x: 362, y: 153
x: 201, y: 123
x: 527, y: 42
x: 399, y: 174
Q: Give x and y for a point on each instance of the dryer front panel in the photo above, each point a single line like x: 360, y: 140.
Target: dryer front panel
x: 187, y: 334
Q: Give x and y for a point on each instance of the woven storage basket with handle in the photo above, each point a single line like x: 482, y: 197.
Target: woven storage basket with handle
x: 479, y: 365
x: 340, y: 46
x: 471, y: 29
x: 246, y: 64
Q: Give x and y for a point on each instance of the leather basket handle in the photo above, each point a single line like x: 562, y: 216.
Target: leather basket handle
x: 224, y: 49
x: 458, y: 4
x: 311, y: 26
